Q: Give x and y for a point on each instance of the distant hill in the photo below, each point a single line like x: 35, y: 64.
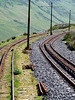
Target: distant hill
x: 13, y: 15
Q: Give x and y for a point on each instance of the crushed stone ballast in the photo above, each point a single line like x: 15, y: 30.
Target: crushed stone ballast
x: 44, y: 72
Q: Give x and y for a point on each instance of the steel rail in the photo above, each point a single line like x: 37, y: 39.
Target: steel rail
x: 53, y: 64
x: 12, y: 71
x: 12, y: 74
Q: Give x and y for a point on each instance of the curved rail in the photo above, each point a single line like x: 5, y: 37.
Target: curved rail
x: 58, y: 59
x: 51, y: 45
x: 47, y: 49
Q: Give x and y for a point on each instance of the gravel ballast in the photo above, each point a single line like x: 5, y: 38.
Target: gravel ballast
x: 44, y: 72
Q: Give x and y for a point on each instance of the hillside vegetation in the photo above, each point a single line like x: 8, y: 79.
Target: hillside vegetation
x: 61, y: 26
x: 14, y: 13
x: 70, y: 40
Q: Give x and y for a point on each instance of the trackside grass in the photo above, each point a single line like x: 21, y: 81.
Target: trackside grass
x: 70, y: 40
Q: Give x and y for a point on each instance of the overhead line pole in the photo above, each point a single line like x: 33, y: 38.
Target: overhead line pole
x: 51, y: 16
x: 28, y: 25
x: 69, y: 18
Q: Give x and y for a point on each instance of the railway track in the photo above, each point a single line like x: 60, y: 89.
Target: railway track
x: 8, y: 47
x: 63, y: 65
x: 6, y: 50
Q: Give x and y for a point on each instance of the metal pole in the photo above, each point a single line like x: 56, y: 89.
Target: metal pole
x: 69, y: 19
x: 28, y: 25
x: 51, y: 19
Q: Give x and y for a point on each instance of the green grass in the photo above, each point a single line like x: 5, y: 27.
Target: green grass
x: 39, y: 98
x: 16, y: 71
x: 70, y: 40
x: 16, y: 83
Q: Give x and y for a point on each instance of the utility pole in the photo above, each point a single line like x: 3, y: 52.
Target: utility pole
x: 51, y: 16
x: 51, y: 19
x: 69, y: 19
x: 28, y: 25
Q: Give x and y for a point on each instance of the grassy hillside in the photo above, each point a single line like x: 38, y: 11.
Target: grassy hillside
x: 13, y: 15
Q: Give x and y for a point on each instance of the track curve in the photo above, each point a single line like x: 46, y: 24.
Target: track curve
x: 48, y: 50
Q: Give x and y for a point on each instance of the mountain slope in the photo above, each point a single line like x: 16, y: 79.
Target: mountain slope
x: 13, y: 15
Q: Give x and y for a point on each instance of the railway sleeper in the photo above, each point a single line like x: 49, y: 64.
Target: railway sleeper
x: 42, y: 90
x: 25, y: 51
x: 28, y: 67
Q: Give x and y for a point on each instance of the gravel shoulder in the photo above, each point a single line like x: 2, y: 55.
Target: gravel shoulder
x: 58, y: 88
